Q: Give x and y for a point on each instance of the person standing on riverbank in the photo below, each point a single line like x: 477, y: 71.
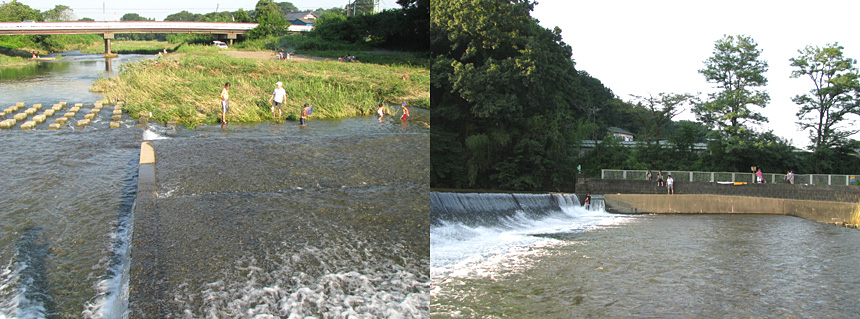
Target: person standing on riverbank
x: 758, y: 177
x: 225, y: 102
x: 277, y: 98
x: 659, y: 178
x: 305, y: 114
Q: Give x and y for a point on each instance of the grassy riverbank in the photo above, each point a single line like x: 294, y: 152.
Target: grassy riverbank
x: 14, y: 61
x: 185, y: 87
x: 133, y: 47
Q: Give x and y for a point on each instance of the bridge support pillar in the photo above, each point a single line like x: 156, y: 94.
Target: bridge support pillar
x: 231, y: 37
x: 108, y: 37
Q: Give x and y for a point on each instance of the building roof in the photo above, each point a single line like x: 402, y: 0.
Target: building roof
x: 302, y: 22
x: 619, y: 130
x: 292, y: 16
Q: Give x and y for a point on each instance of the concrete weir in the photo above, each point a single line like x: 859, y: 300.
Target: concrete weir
x: 840, y: 213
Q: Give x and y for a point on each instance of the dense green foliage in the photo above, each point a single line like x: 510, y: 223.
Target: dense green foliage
x: 270, y: 19
x: 506, y: 98
x: 401, y: 29
x: 735, y: 69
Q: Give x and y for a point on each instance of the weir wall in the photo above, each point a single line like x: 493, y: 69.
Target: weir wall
x: 846, y: 194
x: 820, y: 211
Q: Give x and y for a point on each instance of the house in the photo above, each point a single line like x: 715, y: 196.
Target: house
x: 307, y: 15
x: 620, y: 133
x: 301, y: 21
x: 301, y: 25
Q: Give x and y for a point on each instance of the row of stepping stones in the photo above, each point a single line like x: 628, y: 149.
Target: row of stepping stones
x: 49, y: 112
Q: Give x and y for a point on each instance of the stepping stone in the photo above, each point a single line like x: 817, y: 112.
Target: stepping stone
x: 83, y: 122
x: 39, y: 118
x: 54, y: 126
x: 20, y: 116
x: 30, y: 111
x: 114, y: 124
x: 89, y: 116
x: 117, y: 112
x: 75, y: 109
x: 69, y: 114
x: 61, y: 120
x: 49, y: 112
x: 37, y: 106
x: 7, y: 124
x: 29, y: 125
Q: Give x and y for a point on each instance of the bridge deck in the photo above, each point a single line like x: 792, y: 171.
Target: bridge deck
x: 19, y: 28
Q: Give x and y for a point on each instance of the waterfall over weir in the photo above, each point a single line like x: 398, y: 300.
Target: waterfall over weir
x: 490, y: 208
x: 475, y: 233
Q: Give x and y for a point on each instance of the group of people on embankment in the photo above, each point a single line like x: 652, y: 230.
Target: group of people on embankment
x: 277, y: 100
x: 669, y: 183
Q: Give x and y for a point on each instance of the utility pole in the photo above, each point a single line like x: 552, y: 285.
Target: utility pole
x: 353, y: 7
x: 104, y: 16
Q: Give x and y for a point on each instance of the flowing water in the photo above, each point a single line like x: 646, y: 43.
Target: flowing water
x: 568, y: 262
x: 333, y: 241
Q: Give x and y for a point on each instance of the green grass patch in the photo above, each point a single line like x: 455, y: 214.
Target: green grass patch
x: 14, y: 61
x: 133, y: 47
x: 185, y: 87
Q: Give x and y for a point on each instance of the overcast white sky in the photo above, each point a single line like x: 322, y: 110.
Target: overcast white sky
x: 159, y: 9
x: 648, y: 47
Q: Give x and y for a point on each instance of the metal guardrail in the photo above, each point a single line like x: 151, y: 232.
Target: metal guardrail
x: 692, y: 176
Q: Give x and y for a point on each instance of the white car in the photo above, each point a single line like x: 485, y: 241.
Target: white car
x: 220, y: 44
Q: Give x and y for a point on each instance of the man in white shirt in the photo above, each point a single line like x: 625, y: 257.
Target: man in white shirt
x: 670, y: 185
x: 277, y: 98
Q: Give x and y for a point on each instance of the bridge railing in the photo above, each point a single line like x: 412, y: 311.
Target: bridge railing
x: 693, y: 176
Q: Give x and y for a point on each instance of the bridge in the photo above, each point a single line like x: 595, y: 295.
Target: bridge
x: 108, y: 29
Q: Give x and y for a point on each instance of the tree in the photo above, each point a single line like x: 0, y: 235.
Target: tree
x: 183, y: 16
x: 268, y: 16
x: 833, y: 96
x: 134, y: 17
x: 241, y: 16
x: 504, y: 94
x: 738, y: 72
x: 286, y: 7
x: 87, y: 19
x: 16, y: 12
x: 59, y: 13
x: 659, y: 111
x: 359, y: 7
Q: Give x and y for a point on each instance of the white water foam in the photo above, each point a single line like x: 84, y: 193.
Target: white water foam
x: 14, y: 303
x: 458, y: 250
x: 150, y: 135
x: 111, y: 300
x: 374, y: 288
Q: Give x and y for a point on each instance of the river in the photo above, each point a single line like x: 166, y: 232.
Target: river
x: 67, y: 205
x: 567, y: 262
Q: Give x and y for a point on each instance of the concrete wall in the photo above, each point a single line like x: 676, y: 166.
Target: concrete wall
x: 847, y: 194
x: 820, y: 211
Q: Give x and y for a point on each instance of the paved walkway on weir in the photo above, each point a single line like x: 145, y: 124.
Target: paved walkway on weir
x: 284, y: 226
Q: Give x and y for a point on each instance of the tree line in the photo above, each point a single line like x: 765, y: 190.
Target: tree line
x: 510, y: 109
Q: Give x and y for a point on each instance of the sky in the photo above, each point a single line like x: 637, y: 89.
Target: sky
x: 159, y: 9
x: 649, y: 47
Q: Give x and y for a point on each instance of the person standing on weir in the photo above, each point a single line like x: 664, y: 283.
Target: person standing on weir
x: 225, y: 102
x: 659, y: 178
x: 758, y: 178
x: 670, y: 185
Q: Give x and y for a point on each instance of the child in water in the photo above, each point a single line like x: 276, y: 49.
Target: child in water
x: 405, y: 111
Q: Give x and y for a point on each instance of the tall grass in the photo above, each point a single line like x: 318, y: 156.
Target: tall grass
x: 185, y: 88
x: 14, y: 61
